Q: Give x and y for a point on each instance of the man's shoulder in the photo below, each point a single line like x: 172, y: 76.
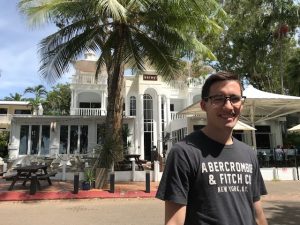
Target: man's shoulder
x: 188, y: 143
x: 193, y: 138
x: 243, y: 146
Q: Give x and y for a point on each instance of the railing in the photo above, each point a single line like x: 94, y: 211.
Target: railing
x: 286, y: 158
x: 88, y: 112
x: 102, y: 112
x: 89, y: 79
x: 175, y: 116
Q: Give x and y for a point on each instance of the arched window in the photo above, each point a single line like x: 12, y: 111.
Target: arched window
x: 148, y: 126
x: 132, y: 110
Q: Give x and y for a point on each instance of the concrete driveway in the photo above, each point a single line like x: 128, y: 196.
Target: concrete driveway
x: 282, y: 207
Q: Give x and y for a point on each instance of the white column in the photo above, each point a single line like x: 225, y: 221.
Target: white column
x: 168, y: 112
x: 103, y: 104
x: 140, y: 124
x: 168, y: 121
x: 159, y: 127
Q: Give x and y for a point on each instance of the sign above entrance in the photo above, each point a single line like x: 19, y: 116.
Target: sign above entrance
x: 149, y: 77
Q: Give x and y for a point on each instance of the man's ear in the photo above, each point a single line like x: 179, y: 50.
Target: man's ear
x: 203, y: 105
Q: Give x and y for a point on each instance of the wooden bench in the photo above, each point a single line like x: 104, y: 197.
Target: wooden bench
x: 9, y: 177
x: 46, y: 176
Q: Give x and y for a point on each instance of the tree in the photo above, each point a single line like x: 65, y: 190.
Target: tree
x: 58, y: 100
x: 123, y: 32
x: 258, y: 40
x: 293, y: 73
x: 39, y: 93
x: 14, y: 97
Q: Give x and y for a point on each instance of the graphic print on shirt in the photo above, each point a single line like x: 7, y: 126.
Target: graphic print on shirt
x: 228, y: 176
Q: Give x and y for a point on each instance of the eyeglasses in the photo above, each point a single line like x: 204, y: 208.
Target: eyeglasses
x: 220, y: 100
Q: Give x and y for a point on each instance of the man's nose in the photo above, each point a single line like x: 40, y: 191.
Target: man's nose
x: 227, y: 103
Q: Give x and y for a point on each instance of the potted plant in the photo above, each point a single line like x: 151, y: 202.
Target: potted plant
x: 89, y: 179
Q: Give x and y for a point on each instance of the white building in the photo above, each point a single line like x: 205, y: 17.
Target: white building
x: 150, y: 112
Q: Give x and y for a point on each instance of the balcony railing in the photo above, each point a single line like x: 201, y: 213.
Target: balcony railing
x: 88, y: 112
x: 89, y: 79
x: 102, y: 112
x: 175, y: 116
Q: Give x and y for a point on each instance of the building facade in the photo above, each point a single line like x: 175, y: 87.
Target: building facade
x: 150, y: 117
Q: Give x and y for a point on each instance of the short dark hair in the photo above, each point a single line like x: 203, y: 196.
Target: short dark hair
x: 217, y: 77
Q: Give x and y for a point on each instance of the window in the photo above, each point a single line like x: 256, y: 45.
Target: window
x: 263, y: 137
x: 90, y: 105
x: 83, y: 139
x: 35, y: 134
x: 148, y: 113
x: 84, y: 105
x: 45, y: 141
x: 95, y: 105
x: 73, y: 139
x: 63, y: 141
x: 178, y: 135
x: 148, y: 126
x: 22, y: 111
x: 172, y: 107
x: 100, y: 133
x: 24, y: 135
x: 39, y: 139
x: 132, y: 110
x: 3, y: 111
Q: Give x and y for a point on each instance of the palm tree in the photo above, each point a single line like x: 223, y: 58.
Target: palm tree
x: 39, y: 93
x: 123, y: 32
x: 14, y: 97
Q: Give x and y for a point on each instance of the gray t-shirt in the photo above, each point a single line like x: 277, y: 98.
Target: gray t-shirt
x: 218, y: 183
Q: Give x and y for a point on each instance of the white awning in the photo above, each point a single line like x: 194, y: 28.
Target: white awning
x: 295, y: 128
x: 259, y: 106
x: 242, y: 126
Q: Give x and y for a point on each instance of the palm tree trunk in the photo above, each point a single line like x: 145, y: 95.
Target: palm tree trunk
x: 113, y: 144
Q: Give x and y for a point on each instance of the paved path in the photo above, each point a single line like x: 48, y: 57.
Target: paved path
x: 282, y: 207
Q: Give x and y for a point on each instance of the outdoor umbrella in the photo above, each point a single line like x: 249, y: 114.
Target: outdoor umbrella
x: 242, y: 126
x: 295, y: 128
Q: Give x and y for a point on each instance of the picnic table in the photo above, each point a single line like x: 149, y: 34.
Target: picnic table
x: 27, y: 173
x: 136, y: 158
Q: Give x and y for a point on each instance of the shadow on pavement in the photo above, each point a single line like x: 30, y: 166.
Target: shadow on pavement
x: 281, y: 213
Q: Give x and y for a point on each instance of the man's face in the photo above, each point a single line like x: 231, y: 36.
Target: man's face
x: 223, y: 112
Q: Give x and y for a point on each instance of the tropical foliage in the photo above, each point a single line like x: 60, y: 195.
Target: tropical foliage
x: 4, y: 138
x: 124, y: 32
x: 58, y: 100
x: 293, y: 73
x: 39, y: 93
x: 14, y: 97
x: 258, y: 41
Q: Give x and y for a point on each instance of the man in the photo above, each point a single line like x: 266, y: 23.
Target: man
x: 210, y: 177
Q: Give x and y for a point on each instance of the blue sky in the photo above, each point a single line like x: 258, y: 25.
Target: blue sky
x: 19, y: 60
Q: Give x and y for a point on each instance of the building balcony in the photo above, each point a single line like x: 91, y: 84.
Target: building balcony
x: 175, y: 116
x: 89, y: 79
x: 88, y: 112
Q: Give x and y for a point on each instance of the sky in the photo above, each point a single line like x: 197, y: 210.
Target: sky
x: 19, y: 59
